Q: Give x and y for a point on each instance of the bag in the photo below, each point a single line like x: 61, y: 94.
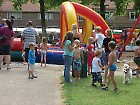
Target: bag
x: 3, y: 37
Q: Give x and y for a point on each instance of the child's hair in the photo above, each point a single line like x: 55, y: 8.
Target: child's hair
x: 90, y: 40
x: 112, y: 44
x: 98, y: 29
x: 44, y: 39
x: 138, y: 42
x: 98, y: 52
x: 109, y: 33
x: 31, y: 44
x: 77, y: 41
x: 74, y: 27
x: 68, y: 36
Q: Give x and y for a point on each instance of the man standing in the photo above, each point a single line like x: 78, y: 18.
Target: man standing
x: 12, y: 19
x: 29, y: 35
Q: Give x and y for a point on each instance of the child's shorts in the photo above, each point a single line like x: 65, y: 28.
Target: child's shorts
x: 31, y: 67
x: 77, y: 64
x: 137, y: 60
x: 43, y: 51
x: 96, y: 76
x: 113, y: 67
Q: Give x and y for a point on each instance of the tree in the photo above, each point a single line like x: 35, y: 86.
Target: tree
x: 44, y: 6
x: 121, y: 5
x: 136, y: 6
x: 102, y: 8
x: 43, y: 21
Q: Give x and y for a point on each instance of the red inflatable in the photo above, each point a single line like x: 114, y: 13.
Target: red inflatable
x: 17, y: 45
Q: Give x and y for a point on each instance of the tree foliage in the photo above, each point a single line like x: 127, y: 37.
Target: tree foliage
x: 92, y: 2
x: 121, y: 6
x: 17, y: 4
x: 137, y: 6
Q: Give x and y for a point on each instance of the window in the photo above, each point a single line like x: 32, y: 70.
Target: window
x: 17, y: 15
x: 48, y: 16
x: 132, y: 15
x: 109, y: 15
x: 80, y: 18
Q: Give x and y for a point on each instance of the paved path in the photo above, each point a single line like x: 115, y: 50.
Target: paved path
x: 16, y: 89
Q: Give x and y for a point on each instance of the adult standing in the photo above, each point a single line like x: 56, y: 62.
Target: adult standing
x: 12, y: 19
x: 5, y: 47
x: 76, y: 35
x: 68, y: 54
x: 3, y: 23
x: 29, y: 35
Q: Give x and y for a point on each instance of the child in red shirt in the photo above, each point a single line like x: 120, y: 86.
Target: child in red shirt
x: 90, y: 53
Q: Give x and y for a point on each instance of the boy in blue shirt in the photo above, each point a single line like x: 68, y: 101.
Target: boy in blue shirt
x: 31, y: 60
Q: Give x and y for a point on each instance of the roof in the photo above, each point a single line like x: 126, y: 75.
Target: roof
x: 29, y: 7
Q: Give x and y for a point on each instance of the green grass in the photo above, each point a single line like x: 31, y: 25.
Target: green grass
x: 82, y: 93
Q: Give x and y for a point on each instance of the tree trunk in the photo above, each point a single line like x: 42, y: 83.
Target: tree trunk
x: 102, y: 8
x: 43, y: 21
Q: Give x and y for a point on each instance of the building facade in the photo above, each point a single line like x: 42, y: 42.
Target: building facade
x: 31, y: 12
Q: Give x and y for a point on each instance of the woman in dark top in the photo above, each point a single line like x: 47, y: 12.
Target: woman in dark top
x: 109, y: 35
x: 5, y: 47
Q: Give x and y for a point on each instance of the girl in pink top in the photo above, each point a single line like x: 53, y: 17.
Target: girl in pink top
x: 90, y: 53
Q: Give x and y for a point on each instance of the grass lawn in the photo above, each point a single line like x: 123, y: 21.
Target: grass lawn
x: 82, y: 93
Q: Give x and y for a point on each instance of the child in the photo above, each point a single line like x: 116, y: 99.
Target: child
x: 99, y: 41
x: 137, y: 57
x: 43, y: 50
x: 23, y: 57
x: 23, y: 52
x: 77, y: 57
x: 111, y: 65
x: 31, y: 60
x: 90, y: 53
x: 108, y: 38
x: 96, y: 65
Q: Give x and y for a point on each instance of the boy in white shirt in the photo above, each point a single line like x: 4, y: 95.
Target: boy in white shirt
x: 99, y: 41
x: 96, y: 68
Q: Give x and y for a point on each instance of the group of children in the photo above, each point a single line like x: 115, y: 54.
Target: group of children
x: 94, y: 59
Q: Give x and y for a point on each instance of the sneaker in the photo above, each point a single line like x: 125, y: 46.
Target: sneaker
x: 118, y: 61
x: 34, y: 76
x: 93, y: 85
x: 70, y: 81
x: 4, y: 63
x: 115, y: 90
x: 8, y: 68
x: 105, y: 88
x: 30, y: 77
